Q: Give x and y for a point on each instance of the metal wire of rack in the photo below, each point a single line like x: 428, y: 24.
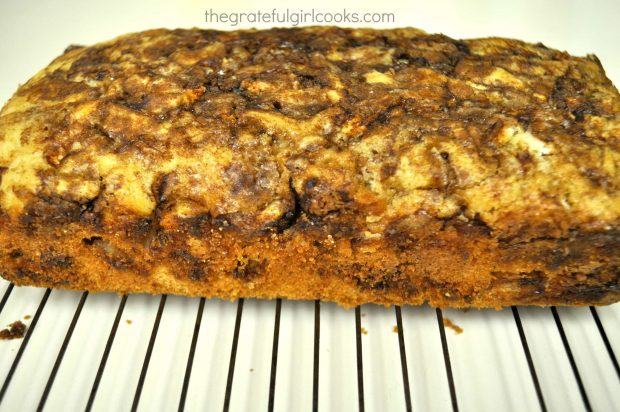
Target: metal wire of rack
x: 353, y: 379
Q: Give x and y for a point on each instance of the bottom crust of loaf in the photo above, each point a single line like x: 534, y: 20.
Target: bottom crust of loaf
x: 453, y: 266
x: 330, y: 290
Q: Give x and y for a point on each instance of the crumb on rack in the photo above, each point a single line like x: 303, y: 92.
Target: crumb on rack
x: 15, y: 330
x: 395, y: 329
x: 27, y: 317
x: 456, y: 328
x: 129, y: 321
x: 364, y: 331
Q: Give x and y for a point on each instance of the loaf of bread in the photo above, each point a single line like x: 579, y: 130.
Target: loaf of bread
x: 348, y: 165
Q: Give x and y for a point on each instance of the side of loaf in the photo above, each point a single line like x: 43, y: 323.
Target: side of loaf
x: 348, y: 165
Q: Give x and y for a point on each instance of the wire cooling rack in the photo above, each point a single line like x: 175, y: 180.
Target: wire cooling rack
x: 106, y: 352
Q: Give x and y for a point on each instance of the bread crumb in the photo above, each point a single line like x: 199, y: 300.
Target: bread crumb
x: 395, y: 329
x: 129, y: 321
x: 364, y: 331
x: 15, y: 330
x: 27, y: 317
x: 456, y: 328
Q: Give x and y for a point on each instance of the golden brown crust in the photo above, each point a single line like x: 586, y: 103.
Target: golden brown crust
x: 352, y: 165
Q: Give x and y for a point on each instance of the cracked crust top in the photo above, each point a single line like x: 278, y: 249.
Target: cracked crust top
x: 375, y: 129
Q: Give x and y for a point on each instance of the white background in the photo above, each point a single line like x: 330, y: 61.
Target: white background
x: 33, y: 32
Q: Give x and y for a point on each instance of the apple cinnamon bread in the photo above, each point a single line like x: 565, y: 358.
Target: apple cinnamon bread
x: 348, y: 165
